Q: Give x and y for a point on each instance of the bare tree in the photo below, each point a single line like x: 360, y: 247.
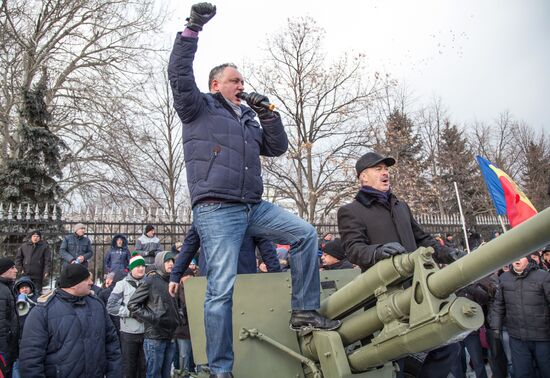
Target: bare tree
x: 322, y: 105
x: 90, y: 49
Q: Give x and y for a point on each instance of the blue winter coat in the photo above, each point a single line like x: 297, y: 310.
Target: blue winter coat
x: 70, y: 337
x: 117, y: 259
x: 74, y: 246
x: 222, y: 152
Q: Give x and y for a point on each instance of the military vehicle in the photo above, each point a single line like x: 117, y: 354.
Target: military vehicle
x: 401, y: 319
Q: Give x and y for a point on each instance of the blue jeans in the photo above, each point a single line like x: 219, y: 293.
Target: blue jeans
x: 523, y: 355
x: 185, y: 355
x: 222, y: 227
x: 158, y: 357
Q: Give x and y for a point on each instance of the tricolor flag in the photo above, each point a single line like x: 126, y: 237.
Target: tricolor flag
x: 507, y: 196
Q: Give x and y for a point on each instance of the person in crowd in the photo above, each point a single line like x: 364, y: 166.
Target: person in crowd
x: 105, y: 292
x: 535, y: 258
x: 176, y: 248
x: 522, y: 304
x: 478, y: 293
x: 118, y: 257
x: 76, y: 248
x: 148, y: 245
x: 377, y: 225
x: 9, y: 321
x: 327, y: 237
x: 26, y: 295
x: 157, y: 309
x: 449, y: 241
x: 69, y: 333
x: 131, y: 329
x: 546, y: 258
x: 439, y: 238
x: 334, y: 257
x: 34, y: 259
x: 474, y: 239
x: 222, y: 147
x: 498, y: 360
x: 182, y: 334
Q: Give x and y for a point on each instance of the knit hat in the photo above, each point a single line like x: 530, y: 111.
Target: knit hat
x: 6, y: 264
x: 72, y: 275
x: 136, y: 260
x: 78, y: 226
x: 335, y: 249
x: 148, y: 228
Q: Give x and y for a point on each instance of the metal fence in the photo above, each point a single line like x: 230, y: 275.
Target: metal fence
x: 17, y: 221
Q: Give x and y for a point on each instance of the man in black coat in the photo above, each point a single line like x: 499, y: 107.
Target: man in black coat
x: 34, y: 259
x: 522, y: 304
x: 154, y: 306
x: 377, y: 225
x: 9, y: 322
x: 69, y: 333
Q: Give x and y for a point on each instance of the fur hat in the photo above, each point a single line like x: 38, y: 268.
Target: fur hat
x: 148, y: 228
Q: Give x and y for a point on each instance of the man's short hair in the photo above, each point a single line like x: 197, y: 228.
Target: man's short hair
x: 216, y: 72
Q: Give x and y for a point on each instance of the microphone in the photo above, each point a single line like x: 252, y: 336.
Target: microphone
x: 264, y: 104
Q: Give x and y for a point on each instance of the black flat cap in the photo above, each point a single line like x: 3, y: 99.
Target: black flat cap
x: 370, y: 159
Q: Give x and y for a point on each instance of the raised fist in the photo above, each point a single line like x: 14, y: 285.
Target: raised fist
x: 201, y: 13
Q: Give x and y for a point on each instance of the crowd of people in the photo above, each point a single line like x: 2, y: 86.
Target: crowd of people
x: 136, y: 324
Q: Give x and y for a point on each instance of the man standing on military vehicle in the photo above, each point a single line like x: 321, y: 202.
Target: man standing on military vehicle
x: 222, y: 146
x: 377, y: 226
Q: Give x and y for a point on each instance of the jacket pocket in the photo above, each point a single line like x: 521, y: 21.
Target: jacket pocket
x: 215, y: 152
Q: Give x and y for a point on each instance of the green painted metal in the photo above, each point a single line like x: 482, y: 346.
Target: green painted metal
x: 402, y: 320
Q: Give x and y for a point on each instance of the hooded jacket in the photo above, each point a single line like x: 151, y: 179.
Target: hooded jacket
x: 71, y: 337
x: 117, y: 304
x: 117, y: 259
x: 34, y: 260
x: 31, y: 298
x: 222, y: 151
x: 522, y: 304
x: 153, y: 305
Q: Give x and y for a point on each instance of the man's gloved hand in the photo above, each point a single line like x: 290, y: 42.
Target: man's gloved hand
x: 201, y: 13
x: 151, y: 254
x: 385, y: 251
x: 254, y: 100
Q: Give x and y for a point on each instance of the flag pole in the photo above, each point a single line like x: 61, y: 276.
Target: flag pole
x: 501, y: 223
x: 462, y: 218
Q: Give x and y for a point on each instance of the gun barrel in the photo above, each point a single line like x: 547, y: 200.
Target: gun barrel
x: 529, y: 236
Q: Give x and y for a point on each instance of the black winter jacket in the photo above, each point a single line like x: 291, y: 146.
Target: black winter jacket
x: 9, y: 322
x: 34, y: 260
x: 522, y: 304
x: 365, y: 224
x: 155, y: 307
x: 74, y: 246
x: 70, y: 337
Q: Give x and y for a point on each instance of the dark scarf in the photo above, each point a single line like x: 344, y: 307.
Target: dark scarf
x: 379, y: 196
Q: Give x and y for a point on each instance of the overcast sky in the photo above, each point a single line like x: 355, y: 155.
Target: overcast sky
x: 481, y: 57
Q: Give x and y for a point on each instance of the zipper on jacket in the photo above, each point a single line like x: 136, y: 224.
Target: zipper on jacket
x: 215, y: 151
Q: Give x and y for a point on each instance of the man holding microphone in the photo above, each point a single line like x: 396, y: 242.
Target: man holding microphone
x: 222, y: 146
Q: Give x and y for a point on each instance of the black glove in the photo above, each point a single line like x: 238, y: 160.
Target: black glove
x: 201, y: 13
x: 151, y: 254
x: 385, y: 251
x: 254, y: 100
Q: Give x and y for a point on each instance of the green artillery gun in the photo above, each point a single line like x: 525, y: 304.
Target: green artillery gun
x: 400, y: 321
